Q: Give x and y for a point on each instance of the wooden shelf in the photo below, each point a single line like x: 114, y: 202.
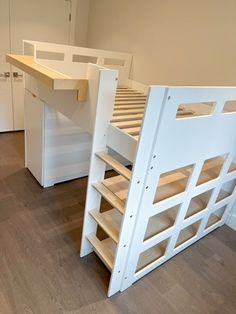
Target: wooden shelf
x: 105, y: 249
x: 109, y: 221
x: 110, y: 196
x: 116, y: 165
x: 53, y: 79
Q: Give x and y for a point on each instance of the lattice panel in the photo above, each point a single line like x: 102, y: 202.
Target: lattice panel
x: 190, y: 182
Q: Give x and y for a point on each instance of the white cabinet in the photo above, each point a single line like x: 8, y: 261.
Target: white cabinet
x: 27, y: 19
x: 56, y: 149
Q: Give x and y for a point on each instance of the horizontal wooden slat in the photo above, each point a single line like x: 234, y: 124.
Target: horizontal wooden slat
x: 116, y: 165
x: 129, y: 111
x: 132, y: 131
x: 130, y: 102
x: 130, y: 97
x: 127, y: 124
x: 128, y: 93
x: 102, y: 248
x: 126, y: 107
x: 113, y: 199
x: 109, y: 221
x: 51, y: 78
x: 128, y: 117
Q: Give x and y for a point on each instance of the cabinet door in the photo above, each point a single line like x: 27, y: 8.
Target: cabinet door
x: 6, y: 114
x: 35, y: 20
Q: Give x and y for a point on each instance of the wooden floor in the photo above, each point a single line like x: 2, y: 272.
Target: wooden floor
x: 40, y: 267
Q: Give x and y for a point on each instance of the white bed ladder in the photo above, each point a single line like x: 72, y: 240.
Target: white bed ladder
x: 119, y: 222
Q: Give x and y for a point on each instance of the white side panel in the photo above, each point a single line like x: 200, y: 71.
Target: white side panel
x: 34, y: 121
x: 67, y: 149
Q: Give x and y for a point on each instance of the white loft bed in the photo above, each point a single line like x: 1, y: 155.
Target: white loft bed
x: 62, y: 84
x: 179, y: 141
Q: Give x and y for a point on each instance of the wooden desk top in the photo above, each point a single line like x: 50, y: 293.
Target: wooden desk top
x: 53, y: 79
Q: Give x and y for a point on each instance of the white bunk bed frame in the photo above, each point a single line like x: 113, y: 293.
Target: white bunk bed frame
x: 182, y: 183
x: 180, y: 142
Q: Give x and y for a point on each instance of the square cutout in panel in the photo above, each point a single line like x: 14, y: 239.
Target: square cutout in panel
x: 161, y: 222
x: 229, y: 106
x: 151, y: 255
x: 215, y: 217
x: 113, y: 61
x: 172, y: 183
x: 84, y: 59
x: 211, y: 169
x: 195, y: 110
x: 187, y: 233
x: 50, y: 55
x: 198, y: 203
x: 226, y: 190
x: 233, y: 165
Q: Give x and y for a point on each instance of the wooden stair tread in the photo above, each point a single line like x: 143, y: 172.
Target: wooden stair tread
x: 132, y: 131
x: 130, y: 117
x: 105, y: 249
x: 127, y: 124
x: 109, y: 221
x: 116, y: 165
x: 110, y: 196
x: 123, y: 112
x: 128, y: 106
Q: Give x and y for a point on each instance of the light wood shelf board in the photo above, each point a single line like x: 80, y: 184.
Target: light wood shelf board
x: 126, y: 117
x: 110, y: 196
x: 119, y: 112
x: 116, y: 165
x: 109, y: 221
x: 53, y: 79
x: 127, y: 124
x: 105, y: 249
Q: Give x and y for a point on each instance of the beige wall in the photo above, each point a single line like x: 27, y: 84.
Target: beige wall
x: 182, y: 42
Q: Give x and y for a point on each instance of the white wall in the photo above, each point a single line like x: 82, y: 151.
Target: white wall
x: 81, y: 26
x: 184, y: 42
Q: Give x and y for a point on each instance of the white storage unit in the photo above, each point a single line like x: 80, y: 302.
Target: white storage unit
x: 60, y: 108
